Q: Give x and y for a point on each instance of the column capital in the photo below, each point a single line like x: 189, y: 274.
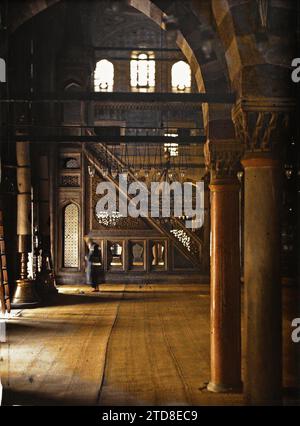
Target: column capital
x: 222, y: 159
x: 262, y: 123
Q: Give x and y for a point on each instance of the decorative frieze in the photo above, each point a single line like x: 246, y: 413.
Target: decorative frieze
x: 142, y: 106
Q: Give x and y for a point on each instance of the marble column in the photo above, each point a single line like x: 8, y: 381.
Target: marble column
x: 45, y: 277
x: 207, y: 226
x: 262, y: 280
x: 260, y: 128
x: 25, y: 294
x: 223, y: 160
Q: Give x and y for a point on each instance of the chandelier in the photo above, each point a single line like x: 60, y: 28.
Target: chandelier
x: 155, y: 162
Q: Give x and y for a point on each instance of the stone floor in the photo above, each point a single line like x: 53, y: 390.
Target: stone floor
x: 127, y: 345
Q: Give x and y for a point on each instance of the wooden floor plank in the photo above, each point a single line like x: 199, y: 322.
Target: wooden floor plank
x: 158, y: 352
x: 128, y: 345
x: 60, y: 356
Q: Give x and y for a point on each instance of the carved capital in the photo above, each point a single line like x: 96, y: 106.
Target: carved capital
x: 261, y: 124
x: 222, y: 158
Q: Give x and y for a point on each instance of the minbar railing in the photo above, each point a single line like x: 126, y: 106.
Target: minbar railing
x: 186, y: 240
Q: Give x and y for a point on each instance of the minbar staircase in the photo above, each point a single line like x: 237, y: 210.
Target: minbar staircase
x: 184, y: 239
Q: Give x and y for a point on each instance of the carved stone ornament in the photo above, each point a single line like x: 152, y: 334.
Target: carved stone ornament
x: 261, y: 125
x: 222, y: 158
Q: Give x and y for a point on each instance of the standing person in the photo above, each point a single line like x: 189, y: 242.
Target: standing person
x: 93, y: 264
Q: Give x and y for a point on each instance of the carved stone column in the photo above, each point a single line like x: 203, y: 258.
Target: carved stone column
x: 45, y: 277
x: 206, y: 234
x: 222, y: 158
x: 259, y: 125
x: 25, y: 294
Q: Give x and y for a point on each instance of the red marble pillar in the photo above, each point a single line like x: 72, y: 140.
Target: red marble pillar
x: 225, y: 311
x: 225, y: 308
x: 263, y: 381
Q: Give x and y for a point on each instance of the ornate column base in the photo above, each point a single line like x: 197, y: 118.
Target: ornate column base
x: 25, y: 295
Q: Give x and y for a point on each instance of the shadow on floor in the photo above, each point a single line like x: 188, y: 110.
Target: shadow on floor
x: 13, y: 397
x: 63, y: 299
x: 291, y: 395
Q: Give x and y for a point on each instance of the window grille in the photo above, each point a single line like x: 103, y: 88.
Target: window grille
x: 71, y: 236
x: 142, y: 71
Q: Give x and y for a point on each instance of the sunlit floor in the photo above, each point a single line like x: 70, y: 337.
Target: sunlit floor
x: 127, y: 345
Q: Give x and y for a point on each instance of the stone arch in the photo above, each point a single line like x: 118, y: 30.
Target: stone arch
x: 210, y: 72
x: 23, y: 11
x: 258, y: 44
x: 239, y: 29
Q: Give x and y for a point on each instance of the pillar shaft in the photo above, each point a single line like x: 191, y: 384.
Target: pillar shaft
x: 262, y: 280
x: 45, y: 279
x: 263, y: 125
x: 206, y: 234
x: 23, y: 201
x: 223, y: 160
x: 25, y: 294
x: 225, y: 288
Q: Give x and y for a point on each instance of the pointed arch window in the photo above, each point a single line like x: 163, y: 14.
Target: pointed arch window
x: 181, y: 77
x: 142, y: 71
x: 71, y: 236
x: 104, y: 76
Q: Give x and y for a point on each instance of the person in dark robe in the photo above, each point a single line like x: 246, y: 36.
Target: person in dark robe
x: 93, y: 264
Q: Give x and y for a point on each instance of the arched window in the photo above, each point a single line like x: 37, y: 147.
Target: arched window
x: 142, y: 71
x: 72, y: 111
x: 104, y: 76
x: 181, y: 77
x: 71, y: 236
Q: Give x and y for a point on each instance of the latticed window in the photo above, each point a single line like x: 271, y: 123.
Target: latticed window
x: 104, y: 76
x: 142, y: 71
x: 181, y: 77
x: 71, y: 163
x: 71, y: 236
